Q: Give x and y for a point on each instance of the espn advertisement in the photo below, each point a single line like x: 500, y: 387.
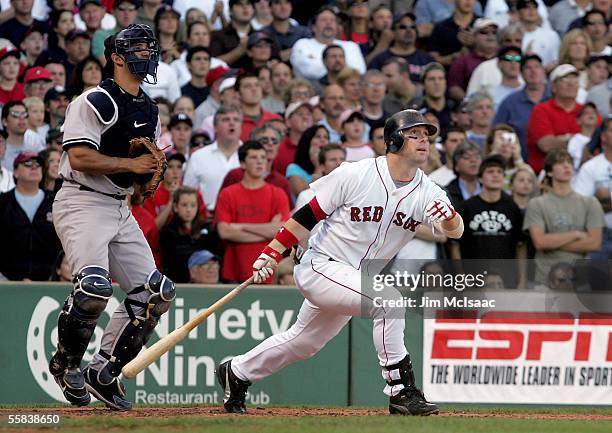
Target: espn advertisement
x: 548, y: 349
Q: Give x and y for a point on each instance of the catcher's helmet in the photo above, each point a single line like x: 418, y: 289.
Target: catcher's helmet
x: 128, y: 44
x: 400, y: 121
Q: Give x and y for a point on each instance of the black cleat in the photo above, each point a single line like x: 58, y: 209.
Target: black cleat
x: 70, y: 381
x: 106, y: 388
x: 234, y: 389
x: 411, y: 401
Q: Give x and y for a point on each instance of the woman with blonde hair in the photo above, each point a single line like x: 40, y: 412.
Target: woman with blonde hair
x: 576, y: 48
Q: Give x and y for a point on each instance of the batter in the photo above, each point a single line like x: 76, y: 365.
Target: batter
x: 370, y: 209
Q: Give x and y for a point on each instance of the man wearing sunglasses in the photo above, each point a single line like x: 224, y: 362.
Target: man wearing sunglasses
x: 19, y: 138
x: 404, y: 46
x: 509, y: 64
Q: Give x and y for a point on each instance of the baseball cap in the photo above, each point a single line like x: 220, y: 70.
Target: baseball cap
x: 483, y: 23
x: 136, y: 3
x: 178, y: 118
x: 522, y: 4
x: 216, y: 73
x: 235, y: 2
x: 201, y: 257
x: 200, y: 133
x: 34, y: 28
x: 72, y: 35
x: 37, y: 73
x: 562, y: 71
x: 9, y: 51
x: 54, y: 93
x: 294, y: 106
x: 349, y: 115
x: 25, y: 157
x: 587, y: 104
x: 530, y: 56
x: 398, y: 17
x: 596, y: 58
x: 227, y: 83
x: 256, y: 37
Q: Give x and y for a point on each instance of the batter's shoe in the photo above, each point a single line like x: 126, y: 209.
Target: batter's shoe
x: 106, y: 388
x: 411, y: 401
x: 70, y: 381
x: 234, y: 389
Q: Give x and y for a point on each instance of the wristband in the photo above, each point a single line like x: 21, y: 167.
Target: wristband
x: 272, y: 253
x: 286, y: 238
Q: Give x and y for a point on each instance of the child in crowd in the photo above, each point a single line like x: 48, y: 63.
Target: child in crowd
x: 353, y: 124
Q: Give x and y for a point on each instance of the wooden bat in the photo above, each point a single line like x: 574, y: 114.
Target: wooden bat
x: 151, y: 354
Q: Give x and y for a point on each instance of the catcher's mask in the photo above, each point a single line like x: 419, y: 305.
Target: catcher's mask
x: 139, y: 48
x: 400, y: 121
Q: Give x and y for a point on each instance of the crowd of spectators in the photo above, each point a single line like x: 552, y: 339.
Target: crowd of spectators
x: 259, y: 98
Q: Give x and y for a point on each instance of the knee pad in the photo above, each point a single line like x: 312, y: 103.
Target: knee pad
x: 82, y: 309
x: 92, y: 290
x: 158, y: 292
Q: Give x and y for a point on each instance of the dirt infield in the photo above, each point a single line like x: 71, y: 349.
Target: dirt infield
x: 210, y: 411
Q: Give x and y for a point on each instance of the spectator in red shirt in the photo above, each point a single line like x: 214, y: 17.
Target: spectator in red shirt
x: 10, y: 89
x: 269, y: 137
x: 298, y: 118
x: 249, y: 214
x: 158, y: 205
x: 553, y: 123
x: 253, y: 116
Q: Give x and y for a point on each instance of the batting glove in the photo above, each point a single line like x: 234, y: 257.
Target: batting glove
x: 263, y: 268
x: 439, y: 210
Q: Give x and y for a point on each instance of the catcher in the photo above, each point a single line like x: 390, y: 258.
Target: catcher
x: 103, y: 160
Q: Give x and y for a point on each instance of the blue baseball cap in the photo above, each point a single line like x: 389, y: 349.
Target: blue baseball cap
x: 201, y: 257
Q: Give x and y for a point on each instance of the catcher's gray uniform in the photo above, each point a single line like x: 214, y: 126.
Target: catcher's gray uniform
x: 102, y: 240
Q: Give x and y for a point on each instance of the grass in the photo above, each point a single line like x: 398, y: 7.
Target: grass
x: 329, y: 424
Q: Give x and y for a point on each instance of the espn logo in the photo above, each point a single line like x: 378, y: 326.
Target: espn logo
x: 519, y: 336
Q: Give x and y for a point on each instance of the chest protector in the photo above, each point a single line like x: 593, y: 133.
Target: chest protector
x: 136, y: 116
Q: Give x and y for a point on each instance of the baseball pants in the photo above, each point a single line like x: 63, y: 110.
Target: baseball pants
x: 333, y: 295
x: 98, y: 230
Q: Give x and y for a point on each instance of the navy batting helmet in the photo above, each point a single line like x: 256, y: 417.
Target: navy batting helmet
x: 400, y: 121
x: 128, y: 43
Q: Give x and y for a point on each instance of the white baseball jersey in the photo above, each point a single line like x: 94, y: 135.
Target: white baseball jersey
x: 368, y: 216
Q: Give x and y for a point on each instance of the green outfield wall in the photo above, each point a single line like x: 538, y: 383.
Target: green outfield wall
x: 345, y: 372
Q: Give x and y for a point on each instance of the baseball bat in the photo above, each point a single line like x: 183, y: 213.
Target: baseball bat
x: 151, y: 354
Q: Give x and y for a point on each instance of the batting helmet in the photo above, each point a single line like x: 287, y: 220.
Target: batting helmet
x: 128, y: 43
x: 400, y: 121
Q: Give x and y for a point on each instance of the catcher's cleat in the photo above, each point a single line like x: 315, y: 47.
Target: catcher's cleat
x: 70, y: 381
x: 234, y: 389
x: 411, y: 401
x: 106, y: 388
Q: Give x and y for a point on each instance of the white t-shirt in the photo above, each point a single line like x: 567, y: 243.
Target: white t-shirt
x: 206, y: 170
x: 485, y: 76
x: 6, y: 180
x: 595, y: 173
x: 543, y: 42
x: 575, y: 146
x: 307, y: 57
x: 167, y: 85
x: 358, y: 153
x: 32, y: 142
x: 442, y: 176
x: 368, y: 216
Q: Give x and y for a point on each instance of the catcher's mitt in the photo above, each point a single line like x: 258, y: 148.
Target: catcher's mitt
x: 148, y: 182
